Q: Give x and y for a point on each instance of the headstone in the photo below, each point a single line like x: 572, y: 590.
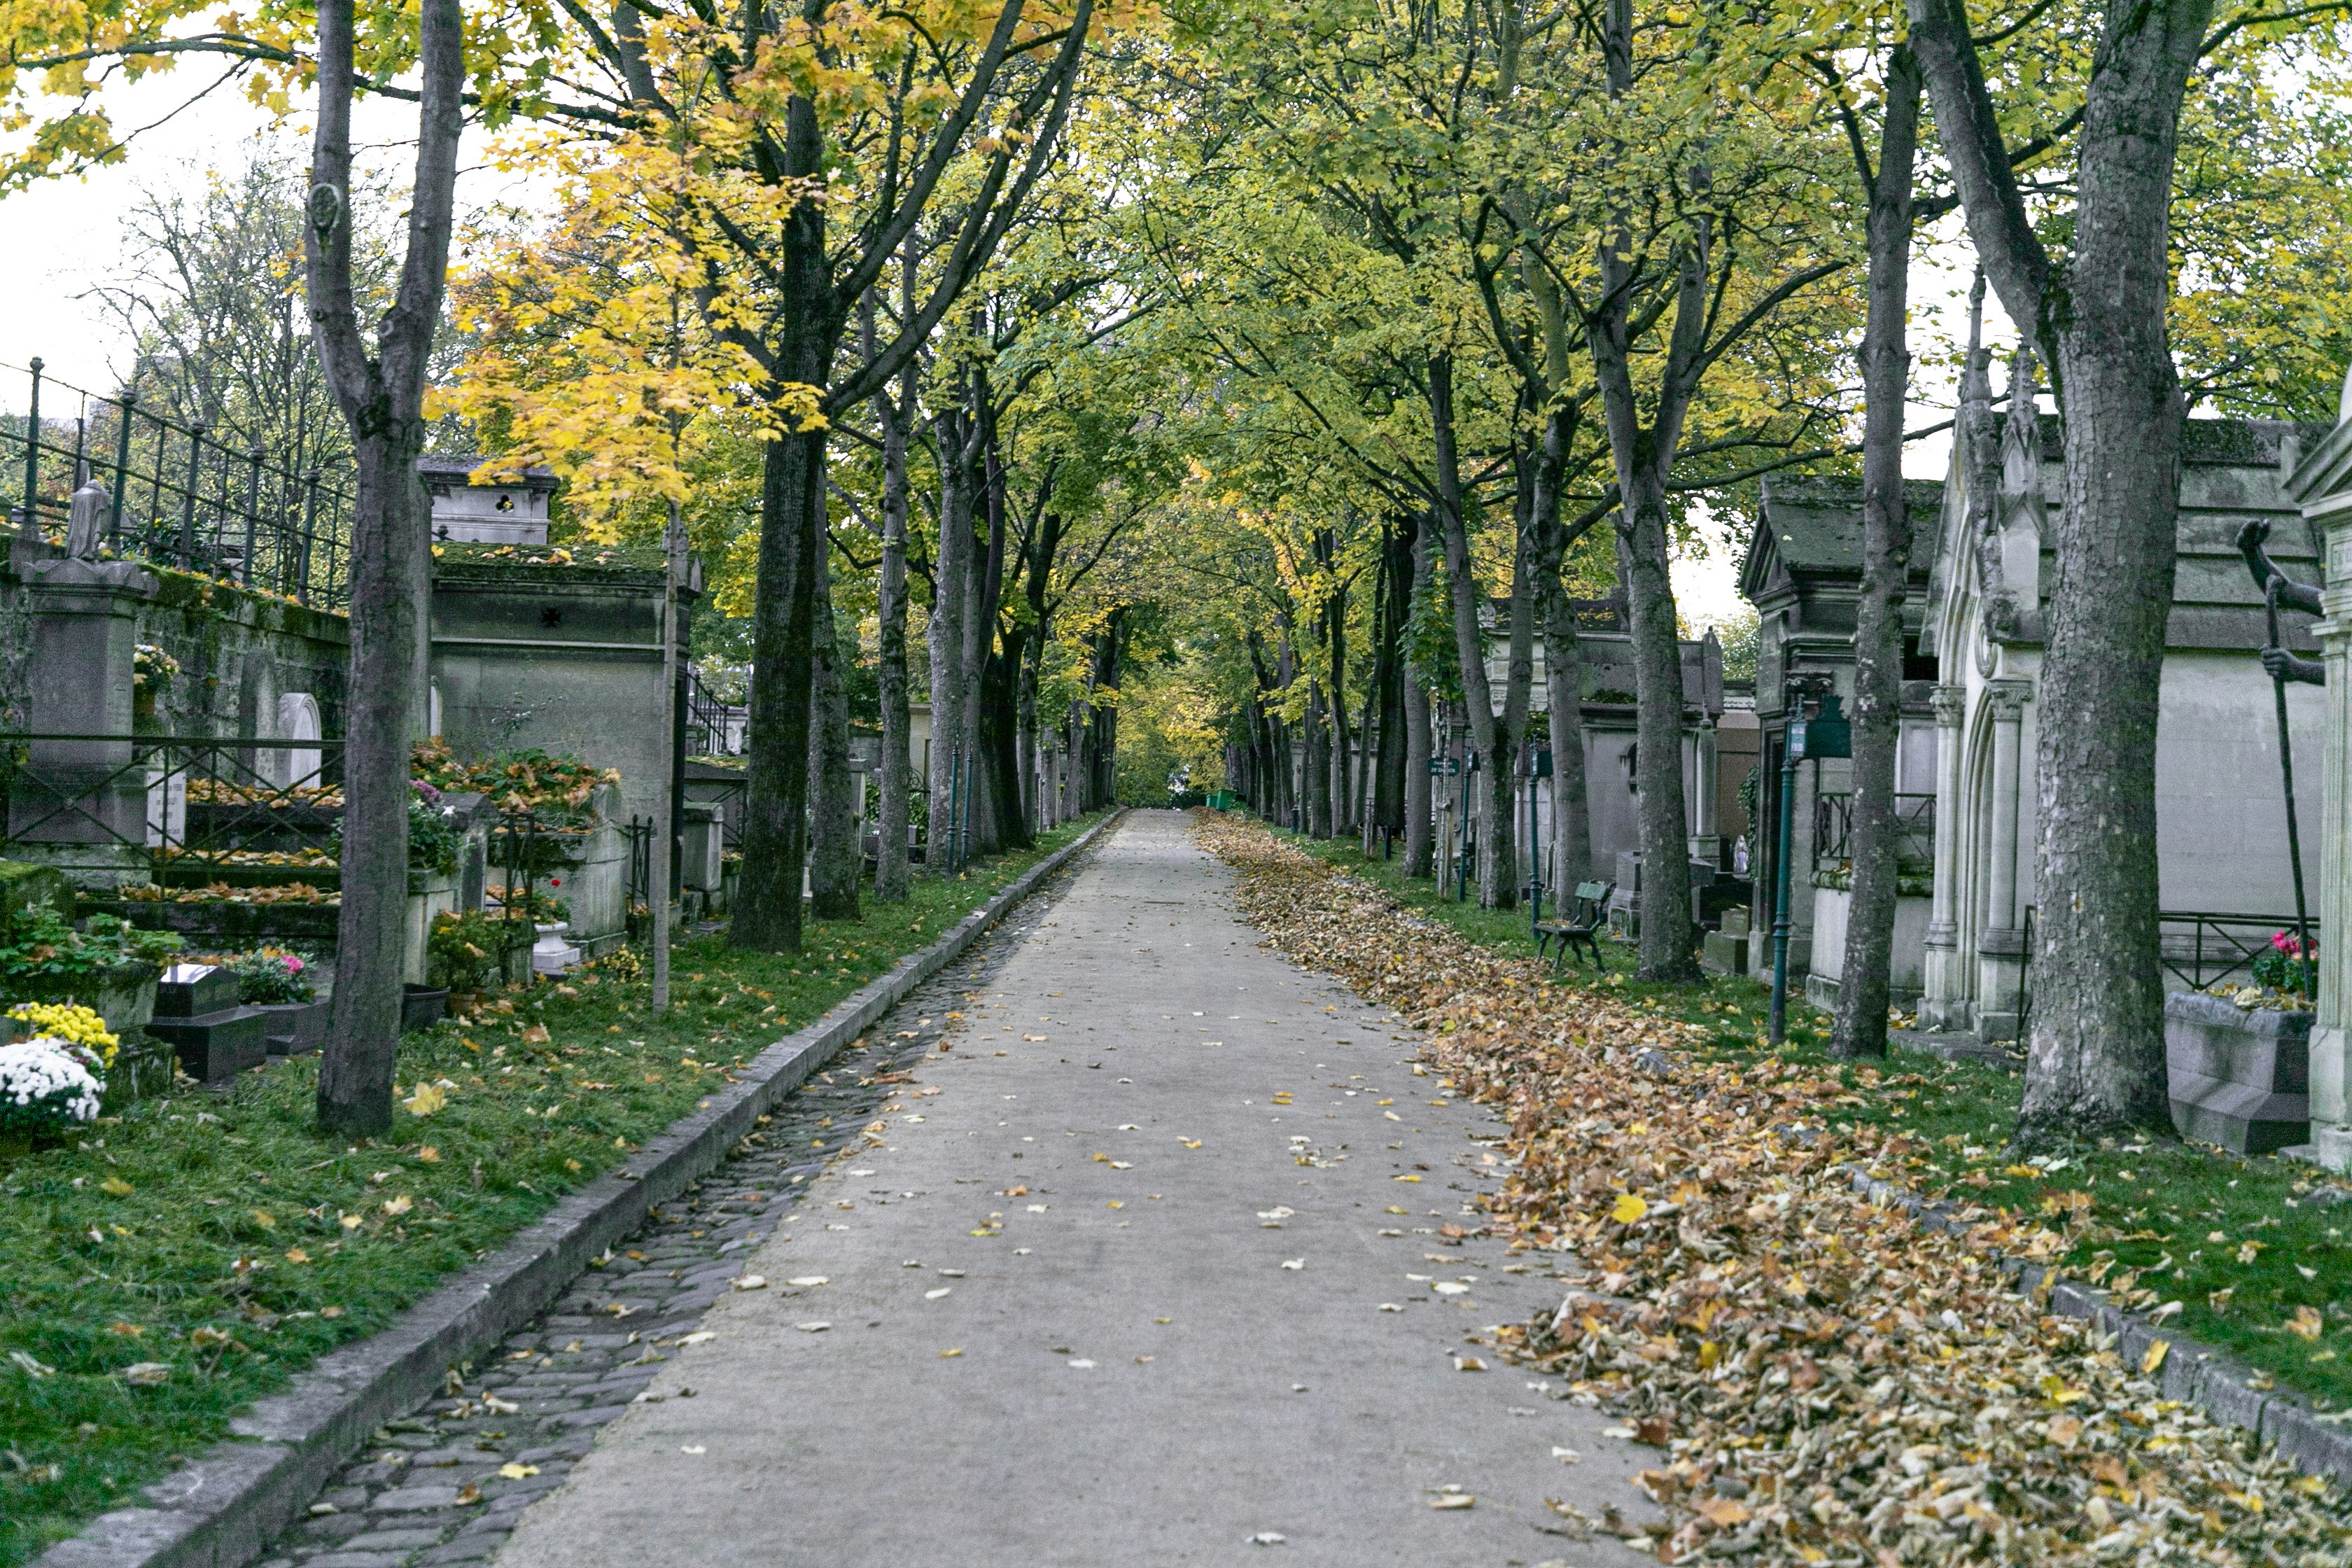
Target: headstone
x: 197, y: 1015
x: 298, y: 720
x: 192, y: 990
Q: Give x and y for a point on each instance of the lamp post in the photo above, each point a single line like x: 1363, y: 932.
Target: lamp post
x: 1792, y: 750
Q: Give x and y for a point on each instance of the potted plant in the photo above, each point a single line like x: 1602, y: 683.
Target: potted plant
x: 53, y: 1079
x: 151, y: 670
x: 463, y: 953
x: 280, y: 984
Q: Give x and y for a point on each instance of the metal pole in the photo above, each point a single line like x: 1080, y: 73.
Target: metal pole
x: 1462, y: 854
x: 657, y: 896
x: 310, y: 528
x: 122, y: 463
x: 1791, y: 748
x: 188, y: 501
x: 252, y: 515
x: 2286, y: 776
x: 33, y: 452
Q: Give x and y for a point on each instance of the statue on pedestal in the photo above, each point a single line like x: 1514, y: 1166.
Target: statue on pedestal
x: 86, y: 522
x: 2292, y: 596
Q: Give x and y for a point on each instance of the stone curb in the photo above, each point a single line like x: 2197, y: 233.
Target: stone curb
x: 2195, y: 1374
x: 220, y: 1509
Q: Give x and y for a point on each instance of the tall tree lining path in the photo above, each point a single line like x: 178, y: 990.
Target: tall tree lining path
x: 1131, y: 1018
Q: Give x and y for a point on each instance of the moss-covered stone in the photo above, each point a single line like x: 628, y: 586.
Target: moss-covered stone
x: 25, y: 886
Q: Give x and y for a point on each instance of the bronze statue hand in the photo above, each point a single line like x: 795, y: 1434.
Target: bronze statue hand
x: 2282, y: 665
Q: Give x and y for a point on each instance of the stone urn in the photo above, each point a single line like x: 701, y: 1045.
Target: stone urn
x: 552, y: 955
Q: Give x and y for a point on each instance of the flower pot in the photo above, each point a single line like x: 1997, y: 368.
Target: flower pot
x: 462, y: 1002
x: 421, y: 1006
x: 552, y: 955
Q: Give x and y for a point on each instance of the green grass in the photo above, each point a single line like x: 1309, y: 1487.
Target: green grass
x: 2146, y: 1212
x: 216, y: 1233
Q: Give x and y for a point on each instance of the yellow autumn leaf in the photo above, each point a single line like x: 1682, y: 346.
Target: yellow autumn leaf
x: 117, y: 1187
x: 265, y: 1219
x: 515, y: 1472
x: 428, y: 1099
x: 296, y: 1255
x: 399, y: 1205
x: 1630, y: 1207
x: 2307, y: 1324
x: 2154, y: 1356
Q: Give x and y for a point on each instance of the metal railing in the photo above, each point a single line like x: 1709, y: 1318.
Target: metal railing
x: 182, y: 811
x: 1915, y: 817
x: 713, y: 728
x: 2201, y: 948
x: 172, y: 494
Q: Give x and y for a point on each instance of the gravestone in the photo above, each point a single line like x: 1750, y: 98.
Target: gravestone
x: 197, y: 1015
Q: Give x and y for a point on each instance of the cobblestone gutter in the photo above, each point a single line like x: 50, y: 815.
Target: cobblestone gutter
x: 346, y: 1457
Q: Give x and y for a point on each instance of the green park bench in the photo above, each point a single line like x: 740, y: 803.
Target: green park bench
x: 1580, y: 926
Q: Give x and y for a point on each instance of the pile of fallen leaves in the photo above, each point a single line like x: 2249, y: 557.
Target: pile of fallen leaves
x: 1830, y: 1382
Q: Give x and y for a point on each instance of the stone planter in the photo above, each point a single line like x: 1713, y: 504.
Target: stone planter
x: 142, y: 1067
x: 421, y: 1007
x: 2238, y: 1079
x: 553, y: 955
x: 124, y: 996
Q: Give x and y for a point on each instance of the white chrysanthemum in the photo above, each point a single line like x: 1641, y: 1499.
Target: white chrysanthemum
x: 32, y: 1072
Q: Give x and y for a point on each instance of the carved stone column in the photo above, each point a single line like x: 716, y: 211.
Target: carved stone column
x: 2001, y: 947
x: 2322, y: 486
x: 1705, y: 845
x: 1943, y: 1001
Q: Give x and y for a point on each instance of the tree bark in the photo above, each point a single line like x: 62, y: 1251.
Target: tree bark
x: 381, y: 396
x: 2096, y: 1057
x: 1492, y: 792
x: 949, y: 609
x: 835, y: 861
x: 1572, y: 819
x: 892, y: 873
x: 1420, y: 826
x: 767, y: 914
x: 1860, y: 1028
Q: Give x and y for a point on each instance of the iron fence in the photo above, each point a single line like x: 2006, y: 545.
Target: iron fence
x: 1915, y: 819
x: 2201, y: 948
x: 177, y: 811
x: 713, y: 728
x: 173, y: 494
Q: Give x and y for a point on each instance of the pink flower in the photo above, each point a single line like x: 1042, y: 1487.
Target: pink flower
x: 293, y: 964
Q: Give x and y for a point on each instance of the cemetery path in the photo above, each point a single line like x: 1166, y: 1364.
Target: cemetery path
x: 1114, y: 1294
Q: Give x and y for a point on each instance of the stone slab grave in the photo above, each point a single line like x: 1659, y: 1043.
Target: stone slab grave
x: 2240, y: 1078
x: 197, y: 1014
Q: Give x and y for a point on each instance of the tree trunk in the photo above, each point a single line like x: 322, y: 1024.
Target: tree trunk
x: 2096, y: 1057
x: 1317, y: 762
x: 891, y: 871
x: 767, y: 914
x: 1519, y: 675
x: 381, y: 396
x: 950, y: 609
x: 1571, y: 822
x: 1860, y: 1029
x: 894, y: 415
x: 1492, y: 791
x: 1420, y: 826
x: 835, y: 861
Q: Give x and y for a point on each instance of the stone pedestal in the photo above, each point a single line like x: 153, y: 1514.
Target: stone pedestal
x: 2238, y: 1078
x: 700, y: 858
x: 2321, y: 485
x: 81, y: 803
